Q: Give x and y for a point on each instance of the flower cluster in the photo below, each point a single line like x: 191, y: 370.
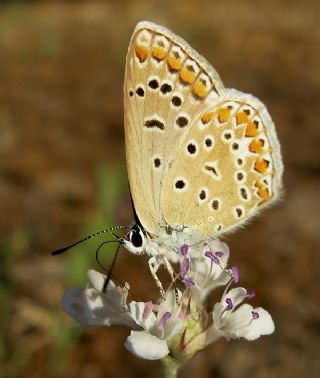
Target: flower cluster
x: 182, y: 323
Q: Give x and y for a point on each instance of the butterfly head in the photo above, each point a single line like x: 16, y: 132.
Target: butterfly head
x: 135, y: 240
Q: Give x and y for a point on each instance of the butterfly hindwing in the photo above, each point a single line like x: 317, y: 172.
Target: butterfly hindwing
x: 236, y: 167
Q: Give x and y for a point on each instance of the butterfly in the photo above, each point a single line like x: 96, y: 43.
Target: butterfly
x: 202, y: 159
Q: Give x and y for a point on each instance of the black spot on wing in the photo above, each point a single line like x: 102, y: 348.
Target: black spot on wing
x: 176, y: 101
x: 154, y: 123
x: 157, y: 162
x: 182, y: 121
x: 140, y: 91
x: 153, y: 84
x: 165, y: 88
x: 180, y: 184
x: 211, y: 168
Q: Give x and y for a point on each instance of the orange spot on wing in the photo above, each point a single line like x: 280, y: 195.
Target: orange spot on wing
x: 174, y: 63
x: 256, y: 146
x: 199, y: 89
x: 263, y: 192
x: 223, y: 115
x: 141, y: 52
x: 187, y: 76
x: 261, y: 165
x: 252, y: 129
x: 206, y: 118
x: 158, y: 53
x: 242, y: 117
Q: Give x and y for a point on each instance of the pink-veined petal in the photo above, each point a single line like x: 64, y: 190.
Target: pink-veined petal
x: 136, y: 310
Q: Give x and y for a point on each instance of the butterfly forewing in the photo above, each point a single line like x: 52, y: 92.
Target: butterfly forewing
x: 167, y: 86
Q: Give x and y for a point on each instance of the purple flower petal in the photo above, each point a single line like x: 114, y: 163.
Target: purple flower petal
x: 188, y: 281
x: 255, y: 315
x: 184, y: 249
x: 219, y: 254
x: 251, y: 294
x: 185, y: 266
x: 147, y: 309
x: 229, y: 304
x: 162, y: 322
x: 212, y: 257
x: 235, y: 274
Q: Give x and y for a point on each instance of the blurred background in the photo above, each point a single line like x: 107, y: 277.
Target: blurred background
x: 62, y: 176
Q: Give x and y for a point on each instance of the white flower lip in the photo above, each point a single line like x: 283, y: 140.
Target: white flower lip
x: 144, y: 345
x: 90, y: 306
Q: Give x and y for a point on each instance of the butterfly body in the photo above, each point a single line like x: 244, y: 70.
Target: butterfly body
x: 167, y: 245
x: 202, y: 159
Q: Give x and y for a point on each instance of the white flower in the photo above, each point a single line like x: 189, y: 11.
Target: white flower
x: 159, y: 328
x: 182, y: 323
x: 233, y: 321
x: 92, y: 306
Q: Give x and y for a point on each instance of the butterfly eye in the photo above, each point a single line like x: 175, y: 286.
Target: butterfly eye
x: 136, y: 236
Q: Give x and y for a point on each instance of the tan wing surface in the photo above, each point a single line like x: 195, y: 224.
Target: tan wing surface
x: 227, y: 167
x: 167, y: 85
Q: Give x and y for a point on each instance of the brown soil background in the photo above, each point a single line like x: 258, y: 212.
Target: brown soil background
x: 61, y: 116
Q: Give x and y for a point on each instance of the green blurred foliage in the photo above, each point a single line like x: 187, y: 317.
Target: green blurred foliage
x: 41, y: 42
x: 111, y: 182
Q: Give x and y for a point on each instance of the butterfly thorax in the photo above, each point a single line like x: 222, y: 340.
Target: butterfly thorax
x: 166, y: 243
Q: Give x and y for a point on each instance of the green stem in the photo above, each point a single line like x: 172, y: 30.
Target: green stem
x: 170, y: 366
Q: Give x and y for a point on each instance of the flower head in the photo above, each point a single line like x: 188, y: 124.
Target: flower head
x: 181, y: 323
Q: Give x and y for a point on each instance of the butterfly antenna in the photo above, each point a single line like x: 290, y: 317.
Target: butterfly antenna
x: 98, y: 251
x: 109, y: 275
x: 64, y: 249
x: 110, y: 271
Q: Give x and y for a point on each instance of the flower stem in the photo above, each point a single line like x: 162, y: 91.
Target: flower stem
x: 170, y: 366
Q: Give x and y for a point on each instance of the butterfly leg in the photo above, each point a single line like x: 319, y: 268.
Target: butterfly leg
x: 154, y: 265
x: 173, y: 278
x: 171, y: 272
x: 125, y: 291
x: 169, y: 268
